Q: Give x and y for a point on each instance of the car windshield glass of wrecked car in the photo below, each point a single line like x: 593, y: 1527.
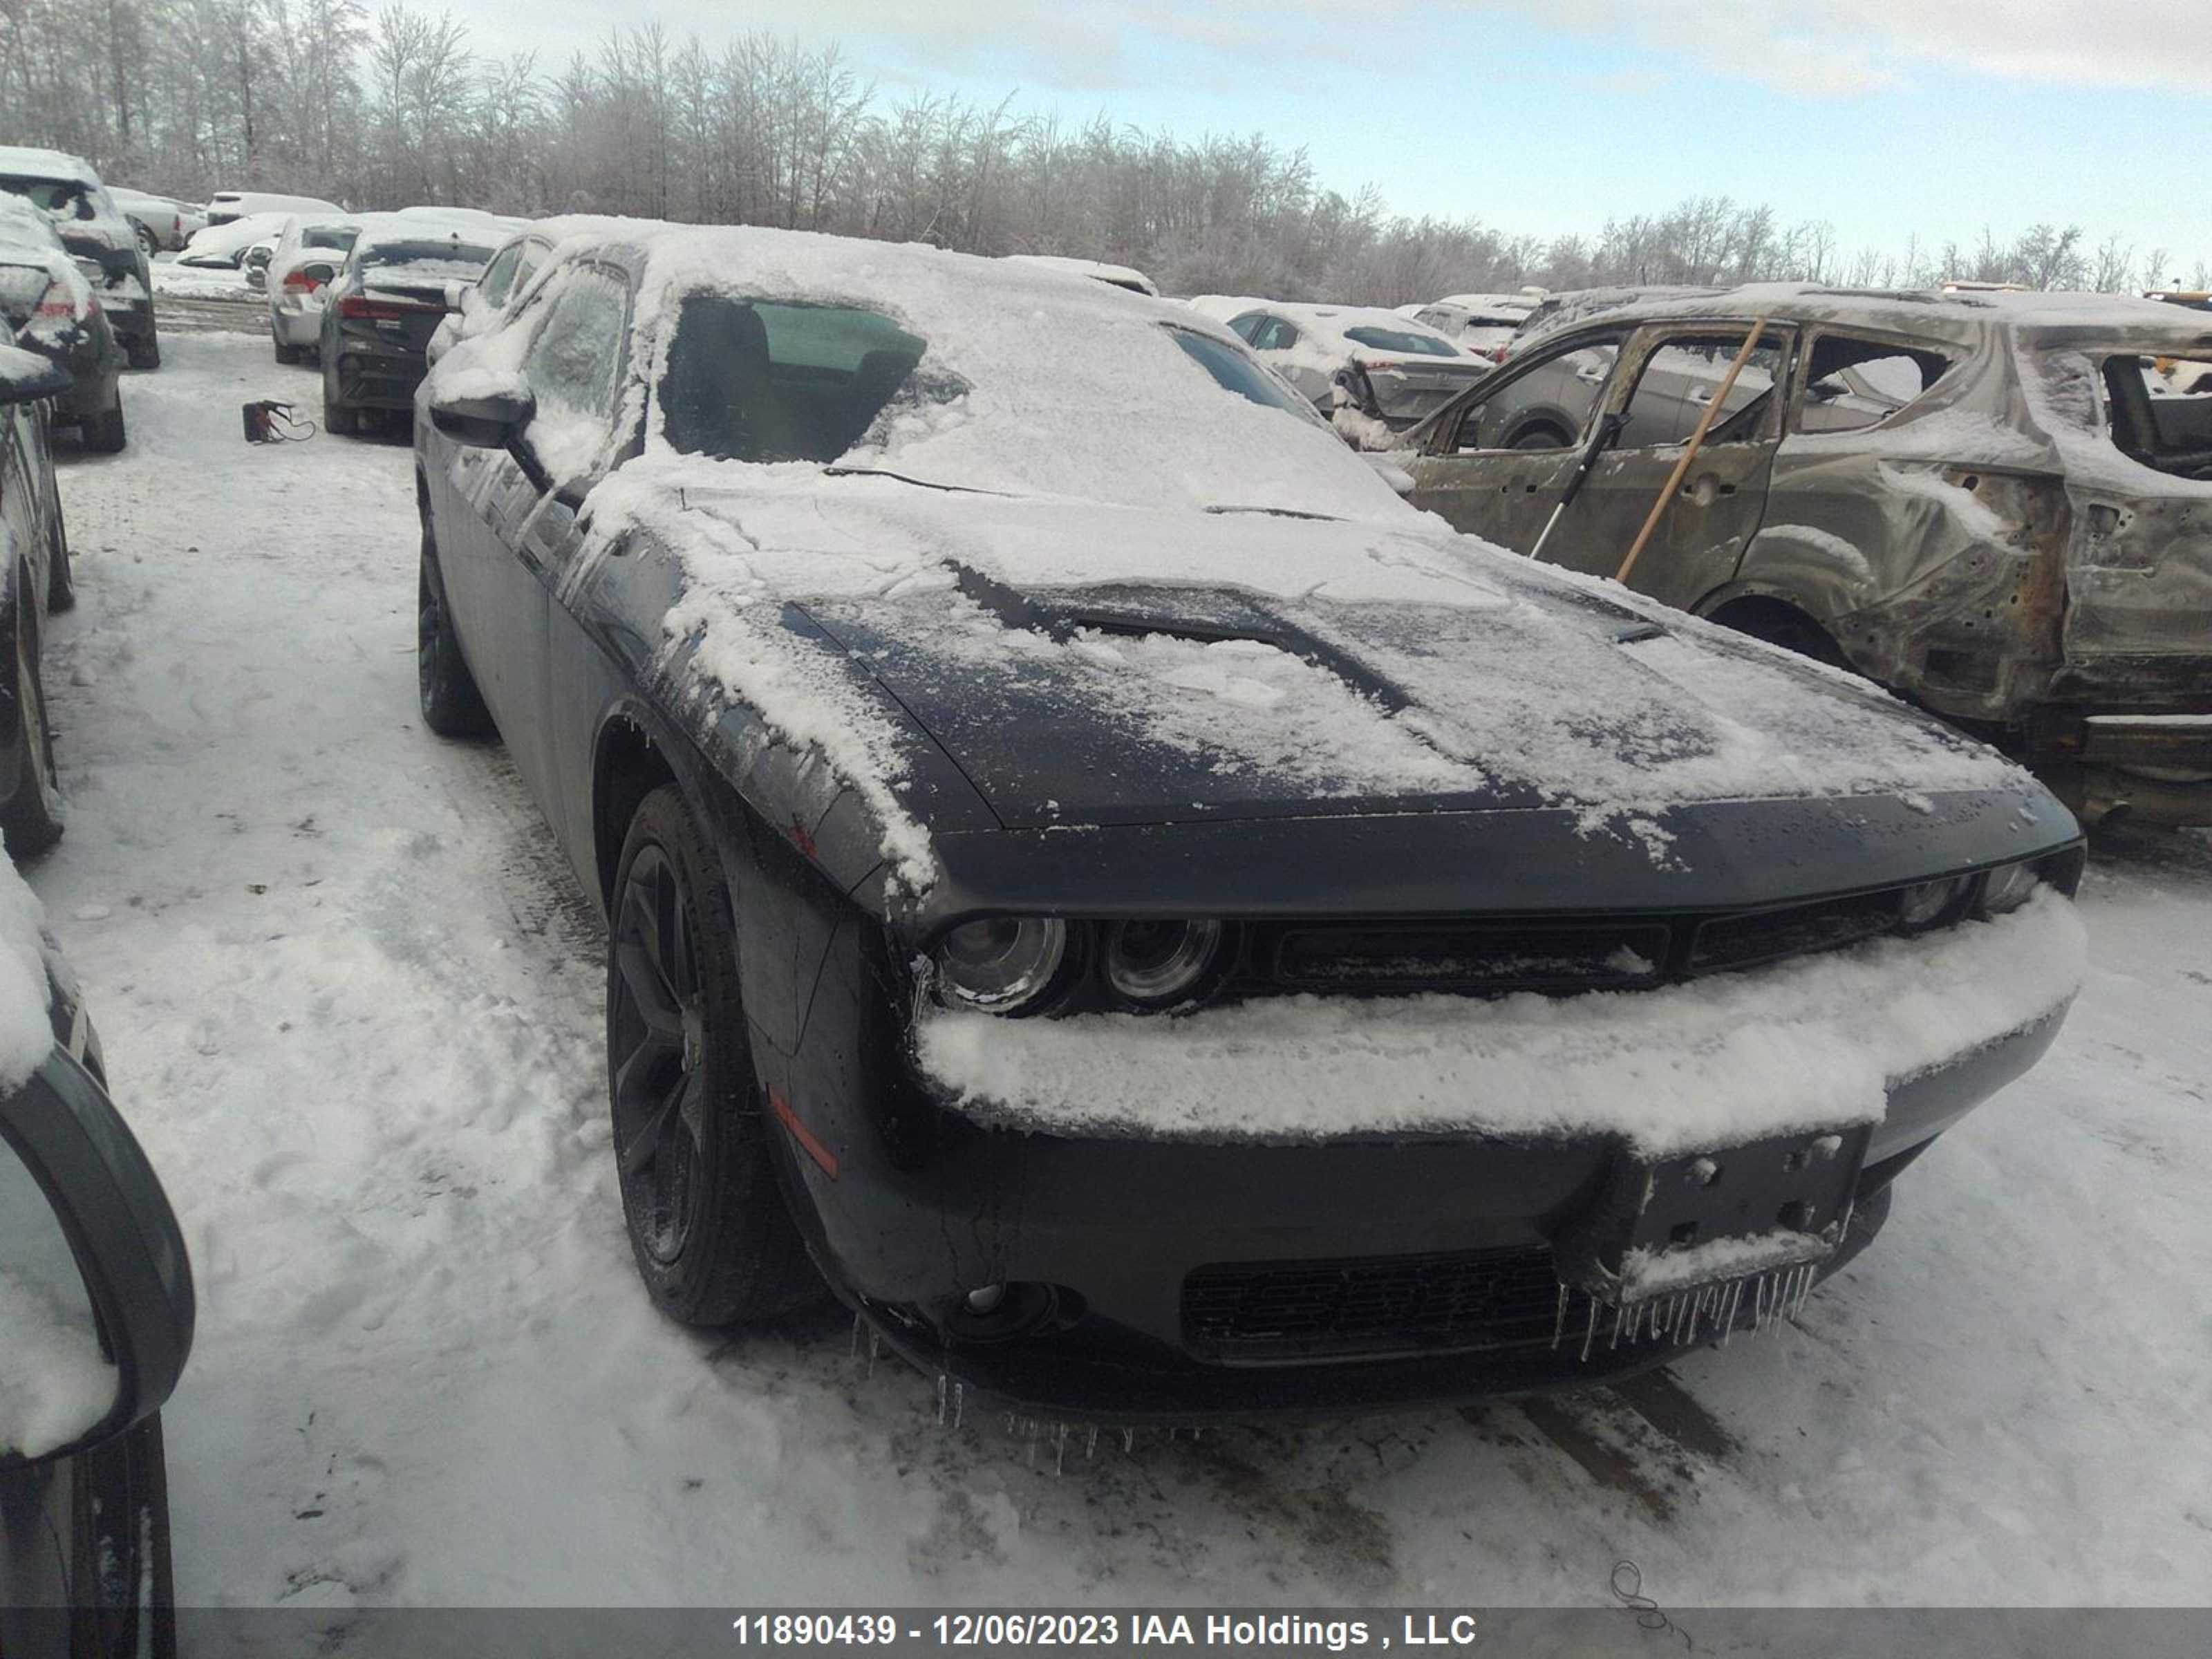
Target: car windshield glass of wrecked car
x: 749, y: 380
x: 2160, y: 411
x: 1682, y: 377
x: 1851, y: 383
x: 1546, y: 405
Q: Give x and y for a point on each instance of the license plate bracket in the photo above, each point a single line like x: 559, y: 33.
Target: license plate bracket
x: 1664, y: 1226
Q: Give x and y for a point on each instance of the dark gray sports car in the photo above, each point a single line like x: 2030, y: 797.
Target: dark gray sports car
x: 1161, y: 928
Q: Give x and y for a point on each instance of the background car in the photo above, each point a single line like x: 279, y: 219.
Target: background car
x: 306, y: 260
x: 1484, y: 324
x: 103, y: 242
x: 163, y: 226
x: 52, y: 310
x: 1370, y: 370
x: 37, y: 580
x: 1128, y: 276
x: 1990, y: 502
x: 227, y: 206
x: 223, y: 246
x: 379, y: 314
x: 96, y: 1316
x: 939, y: 674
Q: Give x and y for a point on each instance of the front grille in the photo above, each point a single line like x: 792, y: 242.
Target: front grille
x: 1794, y: 930
x: 1271, y: 1313
x: 1498, y: 956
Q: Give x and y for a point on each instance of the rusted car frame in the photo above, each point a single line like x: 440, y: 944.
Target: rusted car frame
x: 1989, y: 503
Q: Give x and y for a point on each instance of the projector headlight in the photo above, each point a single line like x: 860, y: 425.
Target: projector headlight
x: 1155, y: 964
x: 1000, y: 965
x: 2010, y: 886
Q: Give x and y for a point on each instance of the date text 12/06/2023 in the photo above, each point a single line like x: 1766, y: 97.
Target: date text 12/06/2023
x: 1001, y: 1630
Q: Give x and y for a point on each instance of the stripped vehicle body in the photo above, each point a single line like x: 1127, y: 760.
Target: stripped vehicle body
x: 1998, y: 505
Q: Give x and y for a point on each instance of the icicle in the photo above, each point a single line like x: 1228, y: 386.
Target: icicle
x: 1617, y: 1313
x: 875, y: 1347
x: 1590, y: 1328
x: 1128, y: 1442
x: 1090, y: 1448
x: 942, y: 1390
x: 959, y: 1403
x: 858, y: 1324
x: 1559, y: 1319
x: 1059, y: 1459
x: 1727, y: 1319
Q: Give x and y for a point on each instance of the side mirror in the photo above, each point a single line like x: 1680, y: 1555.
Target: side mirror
x: 457, y: 295
x: 483, y: 407
x: 39, y: 377
x: 96, y: 1302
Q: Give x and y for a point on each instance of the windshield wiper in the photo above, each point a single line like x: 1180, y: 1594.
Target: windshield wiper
x: 1281, y: 513
x: 920, y: 484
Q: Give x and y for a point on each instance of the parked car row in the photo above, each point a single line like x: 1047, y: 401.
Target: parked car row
x: 96, y: 1298
x: 1024, y: 759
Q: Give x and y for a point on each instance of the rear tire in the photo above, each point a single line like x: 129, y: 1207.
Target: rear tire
x: 339, y: 419
x: 713, y: 1239
x: 32, y: 821
x: 148, y: 243
x: 103, y: 434
x: 288, y: 354
x: 451, y: 705
x: 144, y: 351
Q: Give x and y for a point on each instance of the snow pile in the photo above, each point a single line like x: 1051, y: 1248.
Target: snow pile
x: 1812, y: 1042
x: 53, y: 1384
x: 25, y: 1035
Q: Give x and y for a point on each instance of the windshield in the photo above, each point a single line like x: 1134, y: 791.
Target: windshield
x: 63, y: 198
x: 341, y: 237
x: 750, y: 380
x: 430, y: 256
x: 1392, y: 339
x: 1232, y: 371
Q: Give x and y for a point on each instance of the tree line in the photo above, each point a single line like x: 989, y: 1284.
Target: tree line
x: 321, y: 97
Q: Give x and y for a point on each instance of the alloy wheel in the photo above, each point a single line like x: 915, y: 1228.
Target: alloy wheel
x: 658, y: 1052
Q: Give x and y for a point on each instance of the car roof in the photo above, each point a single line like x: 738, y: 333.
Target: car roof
x: 25, y: 161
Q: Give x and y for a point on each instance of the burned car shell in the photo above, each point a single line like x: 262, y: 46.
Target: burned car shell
x: 1987, y: 550
x: 566, y: 598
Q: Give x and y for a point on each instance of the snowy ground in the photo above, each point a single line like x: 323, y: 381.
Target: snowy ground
x: 353, y: 1007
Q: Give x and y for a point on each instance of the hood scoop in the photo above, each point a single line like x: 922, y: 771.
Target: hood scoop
x: 1201, y: 615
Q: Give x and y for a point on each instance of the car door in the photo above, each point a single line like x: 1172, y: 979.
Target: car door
x: 1497, y: 466
x: 531, y: 491
x: 1676, y: 376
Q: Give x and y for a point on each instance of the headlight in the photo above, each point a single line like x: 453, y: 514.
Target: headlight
x: 2010, y: 886
x: 1925, y: 904
x: 1001, y: 963
x: 1157, y: 963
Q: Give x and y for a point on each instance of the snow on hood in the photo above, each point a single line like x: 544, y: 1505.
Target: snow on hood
x: 1812, y: 1044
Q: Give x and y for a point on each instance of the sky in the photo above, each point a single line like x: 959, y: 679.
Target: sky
x: 1886, y: 118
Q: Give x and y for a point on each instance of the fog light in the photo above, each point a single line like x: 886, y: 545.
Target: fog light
x: 1926, y: 903
x: 2008, y: 887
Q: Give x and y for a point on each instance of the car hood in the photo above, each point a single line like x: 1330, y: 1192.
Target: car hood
x: 1082, y: 665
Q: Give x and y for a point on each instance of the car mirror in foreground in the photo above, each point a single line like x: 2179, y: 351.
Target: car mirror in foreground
x: 483, y: 407
x: 25, y: 377
x: 96, y: 1302
x: 457, y: 295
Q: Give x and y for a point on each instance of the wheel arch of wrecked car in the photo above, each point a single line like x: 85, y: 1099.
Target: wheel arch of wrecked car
x: 1945, y: 579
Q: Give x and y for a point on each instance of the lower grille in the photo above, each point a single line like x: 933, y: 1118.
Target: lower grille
x: 1495, y: 956
x: 1796, y: 930
x: 1270, y: 1313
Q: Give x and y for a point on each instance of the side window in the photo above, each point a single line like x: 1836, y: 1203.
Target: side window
x: 499, y: 275
x: 1246, y: 326
x: 578, y: 350
x: 534, y: 258
x: 1544, y: 403
x: 1682, y: 377
x: 1274, y: 335
x: 1853, y: 383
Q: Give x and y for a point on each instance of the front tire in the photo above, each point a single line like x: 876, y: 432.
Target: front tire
x: 32, y: 821
x: 453, y: 707
x: 708, y: 1225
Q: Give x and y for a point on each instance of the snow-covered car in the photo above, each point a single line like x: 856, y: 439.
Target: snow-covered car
x: 50, y: 310
x: 96, y: 1318
x: 379, y: 312
x: 37, y: 580
x: 223, y: 246
x: 163, y: 224
x: 104, y: 244
x: 228, y: 206
x: 1161, y: 928
x: 304, y: 261
x: 1484, y: 324
x: 1994, y: 504
x: 1372, y: 372
x: 472, y: 307
x: 1128, y: 276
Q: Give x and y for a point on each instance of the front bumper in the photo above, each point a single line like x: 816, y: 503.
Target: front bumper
x: 296, y: 330
x: 1119, y: 1227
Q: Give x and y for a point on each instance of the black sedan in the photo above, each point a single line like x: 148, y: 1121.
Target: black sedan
x: 96, y: 1317
x: 1161, y: 928
x: 52, y: 310
x: 380, y: 311
x: 37, y: 580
